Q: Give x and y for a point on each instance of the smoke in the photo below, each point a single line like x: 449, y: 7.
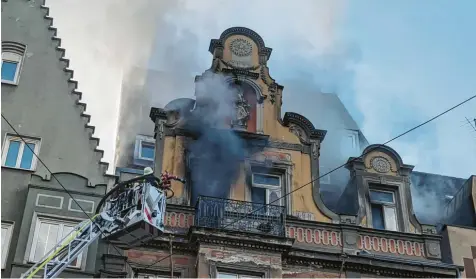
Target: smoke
x: 430, y: 195
x: 217, y: 152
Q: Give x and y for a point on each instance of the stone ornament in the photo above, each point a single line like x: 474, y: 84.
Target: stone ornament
x: 380, y: 164
x: 298, y: 131
x: 241, y: 47
x: 242, y: 111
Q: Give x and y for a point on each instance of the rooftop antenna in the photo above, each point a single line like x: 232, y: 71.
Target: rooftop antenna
x: 471, y: 124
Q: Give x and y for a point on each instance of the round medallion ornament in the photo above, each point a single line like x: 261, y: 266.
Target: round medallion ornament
x: 380, y: 164
x: 241, y: 47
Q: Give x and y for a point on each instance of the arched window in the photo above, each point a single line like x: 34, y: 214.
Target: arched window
x: 12, y: 59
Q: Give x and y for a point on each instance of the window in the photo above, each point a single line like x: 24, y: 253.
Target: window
x: 384, y: 213
x: 12, y: 58
x: 18, y: 154
x: 48, y: 232
x: 234, y: 275
x: 147, y: 150
x: 144, y: 151
x: 351, y: 146
x: 7, y: 229
x: 266, y: 189
x: 156, y: 274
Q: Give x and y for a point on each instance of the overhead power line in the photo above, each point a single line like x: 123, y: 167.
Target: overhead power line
x: 356, y: 158
x: 59, y: 182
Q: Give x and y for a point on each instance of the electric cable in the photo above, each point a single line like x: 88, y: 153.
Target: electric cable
x: 349, y: 161
x: 64, y: 188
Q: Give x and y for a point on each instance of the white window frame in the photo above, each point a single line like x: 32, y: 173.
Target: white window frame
x: 8, y: 56
x: 385, y: 205
x: 354, y: 135
x: 269, y: 187
x: 237, y: 275
x: 37, y: 220
x: 22, y: 140
x: 6, y: 245
x: 140, y: 149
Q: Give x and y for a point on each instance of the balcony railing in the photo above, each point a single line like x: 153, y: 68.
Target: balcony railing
x: 240, y: 216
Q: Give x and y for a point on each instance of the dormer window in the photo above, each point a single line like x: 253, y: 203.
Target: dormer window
x: 383, y: 208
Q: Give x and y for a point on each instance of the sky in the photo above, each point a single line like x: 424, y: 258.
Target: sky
x: 394, y: 64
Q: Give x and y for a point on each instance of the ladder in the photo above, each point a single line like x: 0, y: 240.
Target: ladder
x: 69, y: 248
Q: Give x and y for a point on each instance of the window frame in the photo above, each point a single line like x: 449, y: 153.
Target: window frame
x: 156, y: 273
x: 269, y: 187
x: 354, y: 134
x: 9, y: 226
x: 23, y: 141
x: 384, y: 204
x: 141, y: 141
x: 33, y: 239
x: 9, y: 56
x: 242, y: 270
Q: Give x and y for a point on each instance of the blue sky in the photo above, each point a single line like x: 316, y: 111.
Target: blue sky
x: 394, y: 64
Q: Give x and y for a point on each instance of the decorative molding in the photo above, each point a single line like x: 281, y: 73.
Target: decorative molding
x: 308, y: 216
x: 241, y: 72
x: 380, y: 164
x: 305, y: 124
x: 289, y: 146
x: 241, y: 47
x: 392, y: 246
x: 314, y: 236
x: 231, y: 65
x: 272, y: 156
x: 263, y: 51
x: 298, y: 132
x: 59, y: 198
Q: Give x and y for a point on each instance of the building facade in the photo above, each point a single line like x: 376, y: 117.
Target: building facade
x: 252, y: 205
x: 240, y: 156
x: 43, y: 202
x: 459, y: 229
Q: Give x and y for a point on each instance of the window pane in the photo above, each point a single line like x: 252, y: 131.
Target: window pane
x: 381, y: 196
x: 11, y: 160
x: 258, y: 195
x: 390, y: 218
x: 266, y: 179
x: 377, y: 217
x: 27, y: 158
x: 8, y: 70
x: 273, y: 197
x: 227, y: 275
x: 147, y: 150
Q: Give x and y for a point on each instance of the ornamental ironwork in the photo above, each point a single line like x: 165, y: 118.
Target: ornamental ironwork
x: 240, y: 216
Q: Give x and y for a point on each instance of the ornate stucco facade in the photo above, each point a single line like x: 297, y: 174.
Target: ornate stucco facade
x: 222, y: 234
x: 233, y: 231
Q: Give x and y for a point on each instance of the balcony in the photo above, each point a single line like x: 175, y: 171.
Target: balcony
x: 233, y: 215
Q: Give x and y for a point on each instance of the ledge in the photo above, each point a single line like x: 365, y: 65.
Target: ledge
x: 239, y: 239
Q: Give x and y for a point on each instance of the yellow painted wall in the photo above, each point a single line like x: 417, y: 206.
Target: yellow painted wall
x: 302, y: 200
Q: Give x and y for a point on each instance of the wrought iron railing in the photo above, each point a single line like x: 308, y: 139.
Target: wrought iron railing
x: 240, y: 216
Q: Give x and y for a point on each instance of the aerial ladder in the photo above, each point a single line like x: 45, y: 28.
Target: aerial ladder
x: 130, y: 214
